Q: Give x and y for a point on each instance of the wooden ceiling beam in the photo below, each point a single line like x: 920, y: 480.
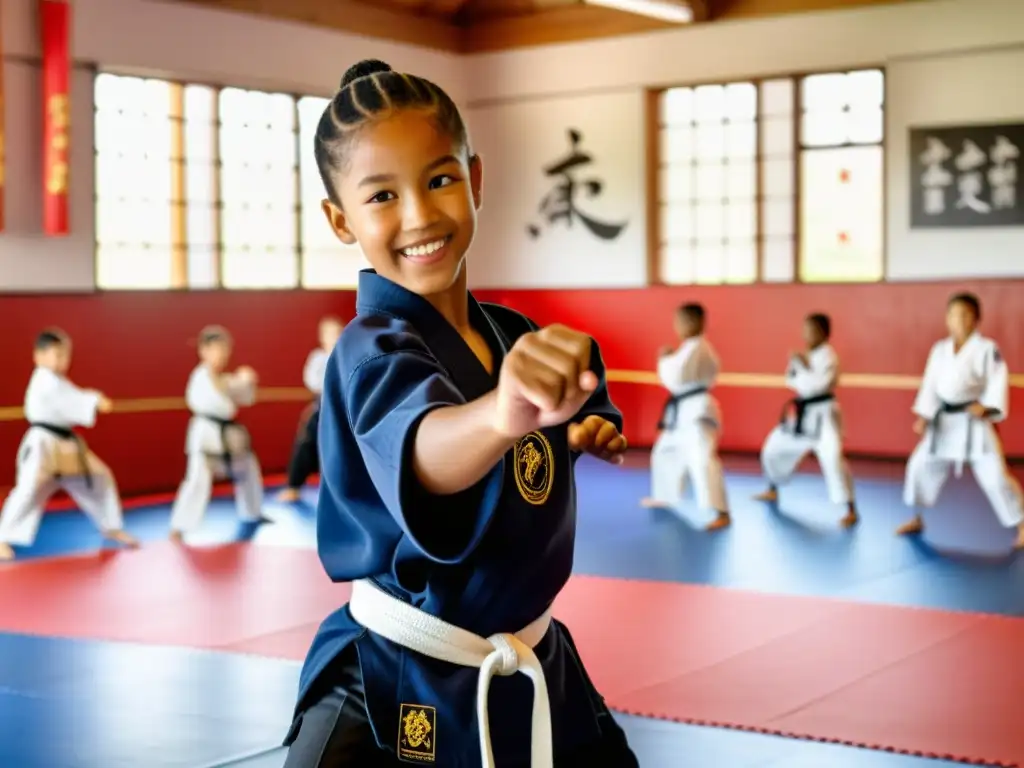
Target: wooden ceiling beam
x: 360, y: 19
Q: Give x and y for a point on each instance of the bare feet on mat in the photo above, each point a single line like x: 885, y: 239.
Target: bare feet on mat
x: 723, y: 520
x: 851, y: 518
x: 1019, y: 544
x: 289, y: 495
x: 650, y: 503
x: 177, y: 537
x: 913, y: 527
x: 122, y: 537
x: 6, y: 552
x: 770, y: 495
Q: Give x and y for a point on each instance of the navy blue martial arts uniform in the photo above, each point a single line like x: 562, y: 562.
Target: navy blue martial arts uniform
x: 490, y: 559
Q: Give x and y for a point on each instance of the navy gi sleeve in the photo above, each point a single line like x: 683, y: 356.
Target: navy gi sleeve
x: 386, y: 398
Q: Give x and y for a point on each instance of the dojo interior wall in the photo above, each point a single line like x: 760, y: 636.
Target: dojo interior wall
x: 950, y: 60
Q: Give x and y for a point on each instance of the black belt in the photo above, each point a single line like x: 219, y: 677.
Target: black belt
x: 799, y: 405
x: 65, y: 433
x: 944, y: 409
x: 670, y: 412
x: 225, y: 425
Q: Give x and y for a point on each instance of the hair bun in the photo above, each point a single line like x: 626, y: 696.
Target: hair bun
x: 364, y: 68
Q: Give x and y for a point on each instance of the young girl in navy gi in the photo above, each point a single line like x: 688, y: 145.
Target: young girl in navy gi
x: 448, y: 434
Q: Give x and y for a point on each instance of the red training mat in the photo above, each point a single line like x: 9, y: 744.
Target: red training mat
x: 909, y: 680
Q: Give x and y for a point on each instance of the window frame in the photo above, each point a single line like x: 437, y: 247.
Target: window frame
x: 653, y: 135
x: 178, y: 159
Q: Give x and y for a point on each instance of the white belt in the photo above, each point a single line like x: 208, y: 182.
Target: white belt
x: 502, y: 654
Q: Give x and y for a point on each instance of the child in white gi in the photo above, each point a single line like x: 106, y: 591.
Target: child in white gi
x: 216, y: 445
x: 811, y: 422
x: 965, y: 390
x: 690, y: 424
x: 52, y: 456
x: 305, y: 458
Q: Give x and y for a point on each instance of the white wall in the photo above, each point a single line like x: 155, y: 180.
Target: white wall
x: 516, y: 142
x: 955, y: 90
x: 161, y: 39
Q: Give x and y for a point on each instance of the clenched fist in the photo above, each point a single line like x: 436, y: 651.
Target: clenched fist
x: 544, y: 380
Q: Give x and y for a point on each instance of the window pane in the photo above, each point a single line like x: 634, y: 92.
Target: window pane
x: 200, y: 131
x: 676, y: 224
x: 259, y: 167
x: 866, y: 126
x: 133, y: 134
x: 824, y: 93
x: 710, y: 264
x: 133, y: 267
x: 777, y: 97
x: 741, y: 261
x: 777, y: 137
x: 711, y: 141
x: 677, y: 106
x: 777, y: 177
x: 133, y: 223
x: 710, y: 182
x: 709, y: 104
x: 841, y: 215
x: 678, y: 264
x: 202, y: 266
x: 865, y: 89
x: 778, y: 258
x: 741, y: 102
x: 201, y: 226
x: 742, y: 222
x: 741, y: 182
x: 823, y: 129
x: 677, y: 145
x: 710, y: 223
x: 741, y: 140
x: 777, y: 217
x: 676, y: 183
x: 335, y: 268
x: 260, y: 268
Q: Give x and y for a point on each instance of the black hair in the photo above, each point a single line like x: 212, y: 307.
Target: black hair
x: 213, y: 333
x: 822, y: 322
x: 368, y: 90
x: 969, y: 300
x: 50, y: 337
x: 694, y: 313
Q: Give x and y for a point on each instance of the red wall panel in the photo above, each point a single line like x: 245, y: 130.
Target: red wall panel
x: 134, y: 345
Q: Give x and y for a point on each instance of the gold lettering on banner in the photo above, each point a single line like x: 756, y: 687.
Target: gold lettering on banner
x: 60, y: 120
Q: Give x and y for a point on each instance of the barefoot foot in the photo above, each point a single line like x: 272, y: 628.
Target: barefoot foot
x: 770, y: 495
x: 723, y: 520
x: 649, y: 503
x: 911, y: 528
x: 289, y: 495
x: 122, y: 537
x: 6, y: 552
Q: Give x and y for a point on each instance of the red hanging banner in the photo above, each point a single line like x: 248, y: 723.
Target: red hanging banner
x: 3, y: 160
x: 55, y: 27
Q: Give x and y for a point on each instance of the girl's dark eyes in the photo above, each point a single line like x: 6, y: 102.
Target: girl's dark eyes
x: 442, y: 180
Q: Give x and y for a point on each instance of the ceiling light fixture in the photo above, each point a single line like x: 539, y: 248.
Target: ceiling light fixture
x: 674, y: 11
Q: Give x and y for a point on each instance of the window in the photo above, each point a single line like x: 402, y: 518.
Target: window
x: 135, y: 204
x: 841, y: 177
x: 200, y: 187
x: 772, y: 180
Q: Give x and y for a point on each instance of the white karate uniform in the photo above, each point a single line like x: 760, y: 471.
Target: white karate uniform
x: 314, y: 370
x: 977, y: 373
x: 819, y: 431
x: 688, y: 444
x: 47, y: 461
x: 206, y: 450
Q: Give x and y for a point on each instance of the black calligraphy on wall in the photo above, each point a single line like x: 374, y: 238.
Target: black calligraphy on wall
x: 966, y: 176
x: 561, y: 204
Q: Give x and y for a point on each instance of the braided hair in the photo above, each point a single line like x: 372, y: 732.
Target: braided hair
x: 371, y: 90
